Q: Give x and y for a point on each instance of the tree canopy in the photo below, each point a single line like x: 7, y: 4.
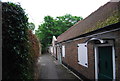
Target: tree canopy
x: 54, y: 27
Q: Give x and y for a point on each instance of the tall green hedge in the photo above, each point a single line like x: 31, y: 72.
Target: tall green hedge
x: 17, y: 62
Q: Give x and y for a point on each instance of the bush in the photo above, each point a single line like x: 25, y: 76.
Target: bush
x: 17, y: 60
x: 35, y: 52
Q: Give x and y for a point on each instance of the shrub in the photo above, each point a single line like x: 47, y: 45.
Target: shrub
x: 35, y: 52
x: 16, y: 57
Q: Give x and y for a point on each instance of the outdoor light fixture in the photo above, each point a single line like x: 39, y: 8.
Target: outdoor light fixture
x: 94, y: 39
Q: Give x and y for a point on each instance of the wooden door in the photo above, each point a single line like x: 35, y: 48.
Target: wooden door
x: 105, y: 62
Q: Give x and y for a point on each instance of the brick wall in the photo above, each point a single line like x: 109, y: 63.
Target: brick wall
x: 71, y: 54
x: 117, y: 50
x: 71, y: 58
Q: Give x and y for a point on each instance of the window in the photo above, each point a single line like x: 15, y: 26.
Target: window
x: 63, y: 51
x: 82, y: 54
x: 51, y: 49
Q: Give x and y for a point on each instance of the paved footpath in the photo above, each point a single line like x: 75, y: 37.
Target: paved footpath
x: 51, y: 69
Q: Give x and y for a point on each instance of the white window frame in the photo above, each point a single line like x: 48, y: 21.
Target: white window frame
x: 63, y: 51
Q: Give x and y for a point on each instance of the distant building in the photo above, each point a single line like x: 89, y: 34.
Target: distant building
x: 52, y: 48
x: 91, y: 48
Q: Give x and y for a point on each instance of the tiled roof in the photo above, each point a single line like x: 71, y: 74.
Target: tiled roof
x: 90, y: 22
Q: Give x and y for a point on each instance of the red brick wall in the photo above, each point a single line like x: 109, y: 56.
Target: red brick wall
x: 71, y: 58
x: 71, y: 55
x: 117, y: 51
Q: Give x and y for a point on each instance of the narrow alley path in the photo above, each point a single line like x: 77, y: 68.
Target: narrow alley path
x: 51, y: 69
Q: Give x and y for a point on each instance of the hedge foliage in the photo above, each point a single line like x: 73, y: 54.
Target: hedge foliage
x: 35, y: 52
x: 18, y: 62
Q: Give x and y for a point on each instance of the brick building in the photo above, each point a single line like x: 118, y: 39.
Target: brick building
x: 91, y: 48
x: 52, y: 48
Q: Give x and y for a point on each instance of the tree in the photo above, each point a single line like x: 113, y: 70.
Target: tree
x: 54, y: 27
x: 31, y: 26
x: 65, y: 22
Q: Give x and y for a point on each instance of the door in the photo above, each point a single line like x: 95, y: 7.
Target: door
x: 56, y: 53
x: 105, y: 62
x: 59, y: 55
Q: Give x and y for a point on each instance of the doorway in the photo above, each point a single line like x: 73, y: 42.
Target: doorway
x: 59, y: 55
x: 104, y: 62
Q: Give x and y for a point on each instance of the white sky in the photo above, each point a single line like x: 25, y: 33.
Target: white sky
x: 37, y: 9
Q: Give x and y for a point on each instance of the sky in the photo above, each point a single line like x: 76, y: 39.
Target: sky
x: 38, y: 9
